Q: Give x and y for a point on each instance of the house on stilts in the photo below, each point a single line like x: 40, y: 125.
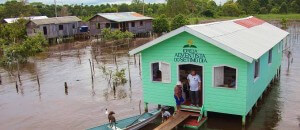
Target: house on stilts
x: 124, y: 21
x: 247, y: 51
x: 54, y: 28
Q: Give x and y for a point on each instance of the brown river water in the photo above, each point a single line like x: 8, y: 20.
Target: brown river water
x: 49, y: 107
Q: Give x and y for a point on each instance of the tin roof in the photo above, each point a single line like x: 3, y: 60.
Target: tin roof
x: 12, y: 20
x: 56, y: 20
x: 123, y: 16
x: 248, y: 38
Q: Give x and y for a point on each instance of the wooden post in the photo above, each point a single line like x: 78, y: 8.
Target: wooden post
x: 134, y: 59
x: 115, y: 58
x: 129, y: 76
x: 205, y: 113
x: 66, y: 88
x: 140, y: 64
x: 146, y: 107
x: 243, y: 120
x: 91, y: 70
x: 140, y: 107
x: 250, y: 112
x: 38, y: 80
x: 114, y: 89
x: 19, y: 76
x: 158, y: 106
x: 17, y: 87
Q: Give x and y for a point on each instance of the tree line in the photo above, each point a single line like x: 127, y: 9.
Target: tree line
x: 190, y: 8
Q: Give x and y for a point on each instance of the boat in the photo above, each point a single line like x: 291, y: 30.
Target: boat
x: 131, y: 123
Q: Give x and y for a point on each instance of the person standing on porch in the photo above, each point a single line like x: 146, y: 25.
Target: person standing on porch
x: 178, y: 95
x: 195, y: 85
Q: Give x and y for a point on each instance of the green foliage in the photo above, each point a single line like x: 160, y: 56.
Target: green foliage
x: 283, y: 23
x: 263, y: 10
x: 231, y: 9
x: 21, y: 51
x: 161, y: 24
x: 295, y: 6
x: 283, y: 8
x: 274, y: 10
x: 175, y: 7
x: 254, y: 7
x: 14, y: 32
x: 178, y: 21
x: 15, y: 45
x: 115, y: 35
x: 119, y: 77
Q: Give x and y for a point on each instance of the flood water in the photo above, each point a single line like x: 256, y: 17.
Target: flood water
x: 49, y: 107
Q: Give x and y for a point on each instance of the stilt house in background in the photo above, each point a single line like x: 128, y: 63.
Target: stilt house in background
x: 53, y: 28
x: 236, y: 60
x: 124, y: 21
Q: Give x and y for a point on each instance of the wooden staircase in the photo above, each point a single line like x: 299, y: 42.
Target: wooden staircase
x: 190, y: 116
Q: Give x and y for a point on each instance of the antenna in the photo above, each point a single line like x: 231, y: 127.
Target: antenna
x: 143, y: 7
x: 55, y: 8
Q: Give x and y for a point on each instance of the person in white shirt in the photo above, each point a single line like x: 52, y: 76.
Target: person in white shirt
x: 195, y: 85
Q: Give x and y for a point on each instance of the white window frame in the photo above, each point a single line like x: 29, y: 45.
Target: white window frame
x: 270, y: 63
x: 256, y: 78
x: 159, y: 65
x: 236, y: 77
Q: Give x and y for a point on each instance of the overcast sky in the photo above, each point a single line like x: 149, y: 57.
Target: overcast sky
x: 93, y: 2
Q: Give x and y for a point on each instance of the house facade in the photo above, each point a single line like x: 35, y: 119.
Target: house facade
x: 124, y: 21
x: 53, y: 28
x: 235, y: 59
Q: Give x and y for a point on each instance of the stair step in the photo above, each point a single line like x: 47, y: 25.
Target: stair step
x: 190, y: 110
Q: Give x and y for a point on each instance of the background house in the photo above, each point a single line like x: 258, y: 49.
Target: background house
x: 53, y: 28
x: 236, y: 60
x: 124, y: 21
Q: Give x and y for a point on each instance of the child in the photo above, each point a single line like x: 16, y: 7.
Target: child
x: 165, y: 115
x: 178, y: 95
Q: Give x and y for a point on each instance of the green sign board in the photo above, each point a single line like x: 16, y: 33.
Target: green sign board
x: 190, y: 54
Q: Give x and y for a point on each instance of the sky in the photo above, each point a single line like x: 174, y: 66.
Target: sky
x: 94, y: 2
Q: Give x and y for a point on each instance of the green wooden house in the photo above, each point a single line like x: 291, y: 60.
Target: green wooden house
x: 247, y: 51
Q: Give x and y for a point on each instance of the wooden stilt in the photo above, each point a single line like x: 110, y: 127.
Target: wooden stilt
x: 158, y: 106
x: 66, y: 88
x: 250, y: 112
x: 244, y: 120
x: 146, y: 107
x: 205, y: 113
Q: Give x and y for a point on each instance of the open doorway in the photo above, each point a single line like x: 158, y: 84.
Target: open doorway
x: 183, y: 72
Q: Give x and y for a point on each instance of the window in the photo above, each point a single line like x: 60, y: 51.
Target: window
x: 107, y: 25
x: 270, y: 56
x: 73, y: 26
x: 98, y: 26
x: 114, y: 25
x: 45, y: 30
x: 132, y: 24
x: 61, y: 27
x: 225, y: 76
x: 161, y: 72
x: 256, y: 69
x: 141, y: 23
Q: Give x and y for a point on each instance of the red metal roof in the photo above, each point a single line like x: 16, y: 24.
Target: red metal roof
x: 251, y: 22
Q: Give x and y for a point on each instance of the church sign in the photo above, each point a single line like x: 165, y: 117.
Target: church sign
x: 190, y: 54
